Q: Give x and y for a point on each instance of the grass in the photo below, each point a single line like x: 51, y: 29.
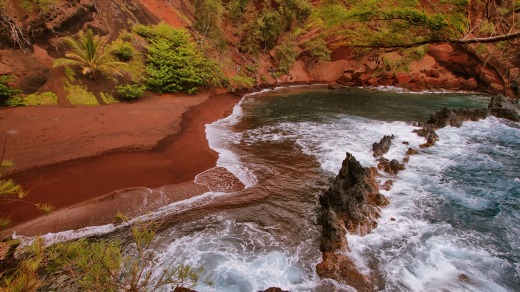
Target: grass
x: 45, y: 98
x: 108, y: 98
x: 79, y: 95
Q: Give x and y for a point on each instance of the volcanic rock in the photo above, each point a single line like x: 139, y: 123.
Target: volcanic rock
x: 342, y: 269
x: 504, y: 107
x: 383, y: 146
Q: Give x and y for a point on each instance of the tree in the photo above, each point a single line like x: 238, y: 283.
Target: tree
x: 87, y: 52
x: 409, y: 23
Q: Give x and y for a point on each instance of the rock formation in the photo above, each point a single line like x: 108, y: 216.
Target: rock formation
x: 350, y: 204
x: 383, y: 146
x: 500, y: 106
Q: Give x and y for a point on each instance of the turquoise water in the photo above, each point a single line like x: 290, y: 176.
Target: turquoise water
x: 452, y: 224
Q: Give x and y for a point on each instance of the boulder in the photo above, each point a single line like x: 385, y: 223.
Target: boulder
x: 341, y: 268
x: 504, y: 107
x: 390, y: 166
x: 383, y: 146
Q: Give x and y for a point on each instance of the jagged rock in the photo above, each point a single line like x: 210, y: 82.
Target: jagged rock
x: 411, y: 151
x: 342, y: 269
x: 274, y: 289
x: 383, y: 146
x: 390, y: 166
x: 182, y: 289
x: 429, y: 134
x: 334, y: 232
x: 348, y: 201
x: 387, y: 185
x: 504, y: 107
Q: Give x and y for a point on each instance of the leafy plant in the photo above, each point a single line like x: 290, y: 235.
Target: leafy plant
x: 87, y: 52
x: 130, y: 92
x: 286, y: 54
x: 98, y: 265
x: 122, y: 50
x: 6, y: 91
x: 174, y: 62
x: 79, y: 95
x: 10, y: 192
x: 43, y: 5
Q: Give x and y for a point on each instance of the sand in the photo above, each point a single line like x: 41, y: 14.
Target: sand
x: 79, y: 158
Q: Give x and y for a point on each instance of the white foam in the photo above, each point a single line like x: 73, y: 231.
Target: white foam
x: 418, y: 255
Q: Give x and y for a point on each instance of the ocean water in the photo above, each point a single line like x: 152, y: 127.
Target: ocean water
x: 453, y: 220
x: 452, y: 224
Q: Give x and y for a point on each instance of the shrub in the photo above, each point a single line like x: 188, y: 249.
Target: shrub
x: 175, y: 63
x: 130, y: 92
x: 79, y: 95
x: 45, y: 98
x: 6, y: 91
x: 286, y: 54
x: 122, y: 50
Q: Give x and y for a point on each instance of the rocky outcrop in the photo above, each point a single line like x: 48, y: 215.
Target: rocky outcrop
x: 500, y: 106
x: 504, y: 107
x: 390, y: 166
x: 383, y: 146
x: 352, y: 203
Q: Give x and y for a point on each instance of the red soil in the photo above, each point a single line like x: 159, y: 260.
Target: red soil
x: 44, y: 135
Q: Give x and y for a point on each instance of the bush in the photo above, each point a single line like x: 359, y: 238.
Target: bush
x: 130, y: 92
x: 6, y: 91
x: 175, y: 63
x: 286, y: 54
x: 123, y: 50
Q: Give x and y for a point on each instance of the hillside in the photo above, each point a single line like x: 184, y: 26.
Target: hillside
x: 420, y: 45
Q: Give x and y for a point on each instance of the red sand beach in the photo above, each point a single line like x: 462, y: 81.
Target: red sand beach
x: 77, y: 158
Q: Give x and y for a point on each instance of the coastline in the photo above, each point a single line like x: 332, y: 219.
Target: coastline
x: 128, y: 177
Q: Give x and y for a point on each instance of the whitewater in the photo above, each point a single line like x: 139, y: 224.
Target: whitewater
x: 452, y: 222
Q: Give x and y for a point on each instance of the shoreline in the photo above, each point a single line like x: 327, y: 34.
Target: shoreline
x: 103, y: 183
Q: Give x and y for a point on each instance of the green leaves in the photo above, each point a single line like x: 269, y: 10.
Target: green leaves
x: 175, y: 64
x: 6, y: 91
x: 87, y: 52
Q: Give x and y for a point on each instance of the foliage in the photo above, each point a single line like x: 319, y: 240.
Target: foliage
x: 79, y: 95
x: 6, y: 91
x: 71, y: 75
x: 44, y: 98
x: 87, y: 52
x: 240, y: 81
x: 286, y: 54
x: 261, y: 29
x: 122, y: 50
x: 209, y: 15
x: 108, y: 98
x: 317, y: 49
x: 130, y: 92
x: 174, y: 62
x: 98, y: 265
x: 10, y: 192
x: 42, y: 5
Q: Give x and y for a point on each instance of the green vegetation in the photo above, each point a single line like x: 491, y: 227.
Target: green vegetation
x: 130, y: 92
x: 174, y: 62
x: 286, y: 54
x: 124, y: 51
x: 6, y: 91
x: 97, y: 265
x: 108, y: 98
x: 87, y: 52
x: 44, y: 98
x: 240, y: 81
x: 38, y: 5
x: 10, y: 192
x: 79, y: 95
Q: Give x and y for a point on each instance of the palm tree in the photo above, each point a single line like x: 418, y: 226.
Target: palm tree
x: 87, y: 51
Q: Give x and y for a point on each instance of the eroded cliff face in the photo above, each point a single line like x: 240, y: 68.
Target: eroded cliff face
x: 30, y: 40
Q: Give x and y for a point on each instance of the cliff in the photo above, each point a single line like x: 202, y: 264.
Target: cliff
x: 257, y: 43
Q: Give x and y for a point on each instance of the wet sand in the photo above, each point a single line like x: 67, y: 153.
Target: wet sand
x: 165, y: 145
